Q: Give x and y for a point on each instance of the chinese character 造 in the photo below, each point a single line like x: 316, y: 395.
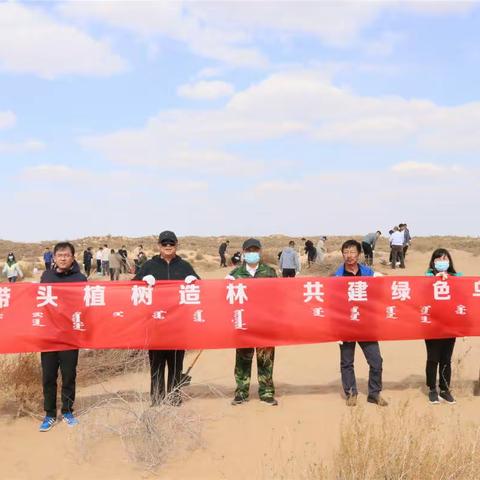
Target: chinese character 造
x: 45, y: 297
x: 357, y: 291
x: 4, y: 297
x: 401, y: 291
x: 159, y: 315
x: 77, y: 322
x: 37, y: 318
x: 141, y: 294
x: 94, y: 296
x: 313, y: 291
x: 391, y: 313
x: 197, y: 316
x: 425, y: 314
x: 441, y: 290
x: 318, y: 312
x: 238, y: 321
x: 461, y: 310
x: 189, y: 294
x: 236, y: 293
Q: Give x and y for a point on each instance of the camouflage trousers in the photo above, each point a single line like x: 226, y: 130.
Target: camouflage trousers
x: 243, y: 371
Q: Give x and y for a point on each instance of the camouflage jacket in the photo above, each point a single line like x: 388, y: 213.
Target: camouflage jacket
x: 263, y: 271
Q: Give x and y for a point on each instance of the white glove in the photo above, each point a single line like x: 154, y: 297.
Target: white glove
x: 190, y: 279
x: 229, y: 277
x: 149, y: 280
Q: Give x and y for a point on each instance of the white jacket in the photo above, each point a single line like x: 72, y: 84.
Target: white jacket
x: 13, y: 270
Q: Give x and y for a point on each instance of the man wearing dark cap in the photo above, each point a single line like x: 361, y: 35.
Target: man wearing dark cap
x: 166, y: 266
x: 253, y: 267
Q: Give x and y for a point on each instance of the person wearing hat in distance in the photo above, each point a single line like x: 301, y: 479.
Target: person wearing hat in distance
x: 166, y: 266
x: 253, y: 267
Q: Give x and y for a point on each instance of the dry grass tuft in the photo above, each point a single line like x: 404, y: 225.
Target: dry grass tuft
x: 405, y: 445
x: 20, y: 383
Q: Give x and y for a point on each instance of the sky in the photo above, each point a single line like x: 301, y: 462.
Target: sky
x: 247, y: 118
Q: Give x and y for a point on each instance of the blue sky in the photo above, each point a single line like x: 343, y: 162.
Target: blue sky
x: 245, y: 118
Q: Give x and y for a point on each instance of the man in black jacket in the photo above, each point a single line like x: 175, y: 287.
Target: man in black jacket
x: 87, y: 261
x: 166, y: 266
x: 65, y: 269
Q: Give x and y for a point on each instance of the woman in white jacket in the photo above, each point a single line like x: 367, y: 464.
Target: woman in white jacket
x: 12, y: 269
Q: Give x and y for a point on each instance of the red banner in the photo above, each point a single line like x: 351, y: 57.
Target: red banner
x: 240, y: 313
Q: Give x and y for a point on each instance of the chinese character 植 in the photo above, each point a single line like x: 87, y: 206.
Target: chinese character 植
x: 94, y: 296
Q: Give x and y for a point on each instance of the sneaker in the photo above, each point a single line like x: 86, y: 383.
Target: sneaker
x: 238, y: 400
x: 47, y: 424
x: 269, y: 401
x: 69, y: 419
x: 377, y: 400
x: 433, y: 397
x: 351, y: 400
x: 446, y: 396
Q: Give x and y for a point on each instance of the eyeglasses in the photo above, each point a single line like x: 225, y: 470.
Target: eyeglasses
x: 167, y: 244
x: 64, y: 255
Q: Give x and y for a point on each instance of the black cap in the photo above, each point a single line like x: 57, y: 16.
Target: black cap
x: 251, y: 242
x: 167, y: 236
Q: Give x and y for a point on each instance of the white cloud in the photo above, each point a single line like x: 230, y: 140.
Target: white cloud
x: 21, y: 147
x: 206, y: 90
x: 187, y: 186
x: 7, y: 119
x: 31, y: 41
x: 277, y: 186
x: 425, y: 168
x: 54, y: 173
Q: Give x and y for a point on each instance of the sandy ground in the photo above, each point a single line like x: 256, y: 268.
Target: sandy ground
x: 251, y: 440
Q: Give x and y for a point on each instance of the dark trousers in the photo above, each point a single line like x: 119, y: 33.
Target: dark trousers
x: 48, y: 265
x: 51, y: 362
x: 439, y: 358
x: 114, y: 273
x: 288, y: 272
x: 173, y: 359
x: 405, y: 248
x: 88, y: 268
x: 368, y: 252
x: 397, y: 253
x: 223, y: 260
x: 371, y: 350
x: 12, y: 279
x: 99, y: 266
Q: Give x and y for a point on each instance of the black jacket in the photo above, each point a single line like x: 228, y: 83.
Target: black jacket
x: 73, y: 275
x: 87, y: 257
x: 177, y: 269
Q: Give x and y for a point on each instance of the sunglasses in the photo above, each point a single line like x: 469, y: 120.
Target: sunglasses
x: 167, y: 244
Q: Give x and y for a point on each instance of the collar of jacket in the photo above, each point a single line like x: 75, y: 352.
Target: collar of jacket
x: 75, y: 268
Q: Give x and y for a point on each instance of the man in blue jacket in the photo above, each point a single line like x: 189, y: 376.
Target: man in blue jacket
x: 351, y: 250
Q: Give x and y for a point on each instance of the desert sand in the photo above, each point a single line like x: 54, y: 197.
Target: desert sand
x: 251, y: 440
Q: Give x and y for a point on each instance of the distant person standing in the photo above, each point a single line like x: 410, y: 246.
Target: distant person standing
x: 407, y: 240
x: 66, y: 269
x: 137, y: 251
x: 47, y: 258
x: 311, y: 252
x: 124, y: 254
x: 114, y: 264
x: 87, y: 261
x: 397, y: 240
x: 289, y: 262
x: 351, y: 250
x: 321, y: 250
x: 98, y: 258
x: 105, y: 257
x: 222, y: 250
x: 12, y: 269
x: 368, y: 246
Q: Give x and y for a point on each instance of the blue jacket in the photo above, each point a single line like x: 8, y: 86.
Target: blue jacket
x: 364, y: 271
x: 48, y: 257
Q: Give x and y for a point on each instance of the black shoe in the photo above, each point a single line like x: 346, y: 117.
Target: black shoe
x: 238, y: 400
x: 446, y: 396
x: 377, y: 400
x: 351, y: 400
x: 433, y: 397
x: 269, y: 401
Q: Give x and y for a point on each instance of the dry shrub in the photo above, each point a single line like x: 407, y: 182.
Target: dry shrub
x: 150, y: 435
x: 199, y: 256
x: 406, y: 446
x: 20, y: 383
x: 96, y: 366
